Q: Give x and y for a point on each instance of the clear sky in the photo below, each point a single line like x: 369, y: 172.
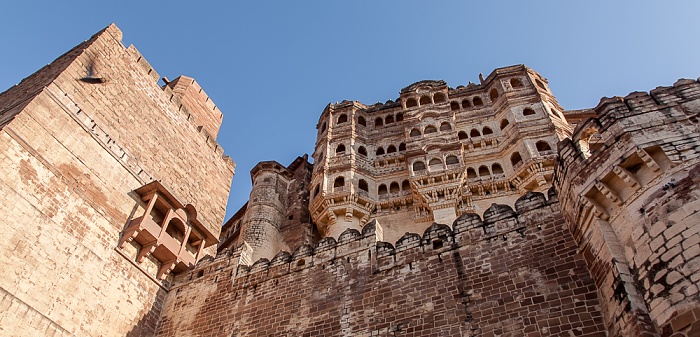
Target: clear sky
x: 272, y: 67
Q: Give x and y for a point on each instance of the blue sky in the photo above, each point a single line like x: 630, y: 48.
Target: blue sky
x: 272, y: 66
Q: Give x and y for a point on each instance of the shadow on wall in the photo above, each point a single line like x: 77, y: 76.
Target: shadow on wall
x: 146, y: 326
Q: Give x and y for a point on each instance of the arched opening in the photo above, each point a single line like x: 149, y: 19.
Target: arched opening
x: 590, y: 141
x: 378, y: 122
x: 474, y: 133
x: 338, y: 184
x: 418, y: 166
x: 516, y: 159
x: 429, y: 129
x: 411, y: 102
x: 316, y: 190
x: 415, y: 133
x: 435, y: 164
x: 380, y: 151
x: 540, y: 84
x: 504, y: 123
x: 389, y: 120
x: 484, y: 171
x: 340, y: 149
x: 516, y: 82
x: 425, y: 100
x: 487, y: 131
x: 445, y: 126
x: 405, y: 185
x: 528, y: 112
x: 342, y: 118
x: 399, y: 117
x: 462, y: 135
x: 176, y: 229
x: 363, y: 185
x: 471, y: 173
x: 543, y: 146
x: 496, y: 168
x: 361, y: 121
x: 391, y: 149
x: 454, y: 106
x: 323, y: 127
x: 361, y: 150
x: 402, y: 147
x: 466, y: 104
x: 451, y: 160
x: 493, y: 94
x: 381, y: 190
x: 394, y: 187
x: 477, y: 101
x: 439, y: 98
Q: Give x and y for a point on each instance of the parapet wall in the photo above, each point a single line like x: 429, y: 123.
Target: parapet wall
x: 629, y: 185
x: 515, y: 271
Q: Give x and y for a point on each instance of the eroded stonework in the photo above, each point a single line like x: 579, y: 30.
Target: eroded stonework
x: 485, y: 210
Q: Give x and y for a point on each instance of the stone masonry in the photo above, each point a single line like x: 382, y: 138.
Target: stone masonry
x: 480, y: 210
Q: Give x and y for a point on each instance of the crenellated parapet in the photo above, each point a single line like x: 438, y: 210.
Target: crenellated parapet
x: 628, y: 185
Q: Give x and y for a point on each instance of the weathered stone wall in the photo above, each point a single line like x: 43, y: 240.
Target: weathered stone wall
x: 72, y: 156
x: 514, y: 273
x: 629, y: 182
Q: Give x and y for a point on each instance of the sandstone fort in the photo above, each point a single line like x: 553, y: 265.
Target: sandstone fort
x: 481, y: 210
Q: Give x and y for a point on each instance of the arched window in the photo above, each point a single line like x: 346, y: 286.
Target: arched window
x: 445, y: 126
x: 466, y: 104
x: 316, y: 190
x: 516, y: 82
x: 363, y: 185
x: 405, y: 185
x: 361, y: 150
x: 543, y: 146
x: 378, y: 122
x: 528, y: 112
x: 389, y: 119
x: 487, y: 131
x: 394, y: 187
x: 380, y: 151
x: 435, y: 163
x: 477, y: 101
x: 402, y: 147
x: 418, y: 166
x: 399, y: 117
x: 340, y: 149
x: 496, y: 168
x: 411, y: 102
x: 429, y: 129
x: 439, y: 98
x: 471, y: 173
x: 342, y: 118
x: 425, y: 100
x: 493, y: 94
x: 415, y: 133
x: 454, y: 106
x: 484, y: 171
x: 338, y: 184
x: 474, y: 133
x: 516, y: 159
x: 540, y: 84
x: 450, y: 160
x: 323, y: 127
x: 381, y: 190
x: 361, y: 121
x: 504, y: 123
x: 391, y: 149
x: 462, y: 135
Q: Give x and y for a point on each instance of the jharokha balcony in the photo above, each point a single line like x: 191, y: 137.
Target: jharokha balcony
x: 167, y: 231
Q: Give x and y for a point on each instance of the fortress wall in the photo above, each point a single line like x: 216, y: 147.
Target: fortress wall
x: 513, y: 272
x: 631, y: 198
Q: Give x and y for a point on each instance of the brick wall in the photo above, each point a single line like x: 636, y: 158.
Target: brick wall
x: 513, y: 273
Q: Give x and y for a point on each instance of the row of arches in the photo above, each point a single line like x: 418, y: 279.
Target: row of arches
x: 444, y: 127
x: 361, y: 150
x: 484, y: 171
x: 388, y: 120
x: 379, y: 121
x: 362, y: 185
x: 438, y: 97
x: 393, y: 187
x: 435, y: 163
